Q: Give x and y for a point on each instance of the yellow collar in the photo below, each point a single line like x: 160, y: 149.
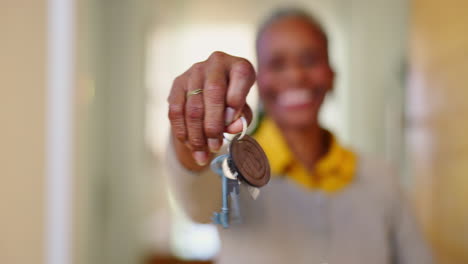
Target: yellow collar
x: 332, y: 172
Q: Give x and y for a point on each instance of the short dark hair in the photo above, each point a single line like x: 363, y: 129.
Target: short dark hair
x: 284, y: 12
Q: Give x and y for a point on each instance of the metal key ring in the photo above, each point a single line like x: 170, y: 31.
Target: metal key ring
x: 244, y: 129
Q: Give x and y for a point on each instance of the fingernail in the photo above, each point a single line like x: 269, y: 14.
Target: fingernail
x: 235, y: 127
x: 214, y: 145
x: 200, y: 158
x: 229, y: 115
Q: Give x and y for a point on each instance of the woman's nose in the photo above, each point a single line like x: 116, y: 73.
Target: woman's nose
x: 296, y: 74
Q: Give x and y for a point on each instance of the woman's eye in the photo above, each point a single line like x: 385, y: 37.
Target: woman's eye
x: 309, y: 60
x: 276, y: 65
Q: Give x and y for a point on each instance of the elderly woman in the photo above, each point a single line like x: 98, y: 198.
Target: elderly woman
x: 325, y: 203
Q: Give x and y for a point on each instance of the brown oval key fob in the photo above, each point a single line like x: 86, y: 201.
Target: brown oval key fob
x: 248, y: 159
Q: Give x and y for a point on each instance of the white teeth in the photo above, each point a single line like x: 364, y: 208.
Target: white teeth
x: 294, y: 97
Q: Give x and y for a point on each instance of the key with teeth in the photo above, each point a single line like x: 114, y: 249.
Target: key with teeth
x: 245, y: 162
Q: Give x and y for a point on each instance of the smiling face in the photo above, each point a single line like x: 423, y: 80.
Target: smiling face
x: 294, y: 73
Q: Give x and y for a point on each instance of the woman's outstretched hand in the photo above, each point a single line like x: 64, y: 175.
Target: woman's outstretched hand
x: 206, y: 101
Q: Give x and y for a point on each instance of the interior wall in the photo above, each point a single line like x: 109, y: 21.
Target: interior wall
x: 376, y: 32
x: 22, y: 133
x: 437, y: 127
x: 115, y: 184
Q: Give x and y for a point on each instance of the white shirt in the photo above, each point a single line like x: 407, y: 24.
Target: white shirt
x: 367, y: 222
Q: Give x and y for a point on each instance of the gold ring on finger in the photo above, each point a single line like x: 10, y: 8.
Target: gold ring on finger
x: 197, y: 91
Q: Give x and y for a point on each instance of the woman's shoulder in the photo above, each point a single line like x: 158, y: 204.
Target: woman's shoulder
x: 372, y: 166
x: 376, y: 176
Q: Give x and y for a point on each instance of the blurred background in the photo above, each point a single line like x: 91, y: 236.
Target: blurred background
x: 84, y: 128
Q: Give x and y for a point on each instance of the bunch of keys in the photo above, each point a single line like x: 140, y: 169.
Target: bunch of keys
x: 245, y: 162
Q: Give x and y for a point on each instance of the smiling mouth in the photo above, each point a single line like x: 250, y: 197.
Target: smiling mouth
x: 294, y: 98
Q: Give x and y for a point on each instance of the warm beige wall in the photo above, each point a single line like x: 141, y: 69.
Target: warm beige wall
x: 22, y: 131
x: 438, y: 126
